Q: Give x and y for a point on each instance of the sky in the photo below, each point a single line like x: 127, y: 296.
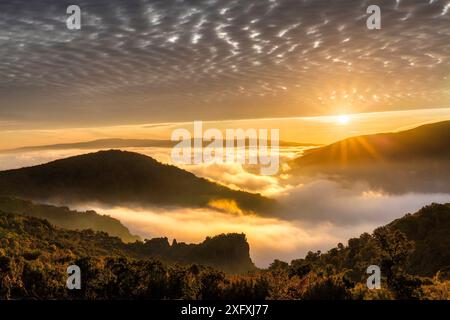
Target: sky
x: 140, y: 61
x: 319, y: 130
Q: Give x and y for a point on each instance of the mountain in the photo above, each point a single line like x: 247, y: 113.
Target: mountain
x: 416, y: 160
x: 117, y: 143
x: 69, y: 219
x: 120, y: 178
x: 36, y: 237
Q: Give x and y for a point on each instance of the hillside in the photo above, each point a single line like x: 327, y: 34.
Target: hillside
x: 424, y: 142
x: 69, y: 219
x: 33, y: 237
x: 416, y: 160
x: 428, y: 230
x: 34, y: 256
x: 120, y: 178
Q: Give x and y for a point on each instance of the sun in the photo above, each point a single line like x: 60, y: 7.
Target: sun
x: 343, y: 119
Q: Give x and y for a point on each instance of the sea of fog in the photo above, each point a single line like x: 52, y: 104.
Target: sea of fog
x: 318, y: 215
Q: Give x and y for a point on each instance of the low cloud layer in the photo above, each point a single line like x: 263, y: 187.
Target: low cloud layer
x: 269, y: 238
x: 316, y: 215
x: 328, y: 201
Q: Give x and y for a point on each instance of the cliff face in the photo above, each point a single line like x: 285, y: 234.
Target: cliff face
x: 227, y: 252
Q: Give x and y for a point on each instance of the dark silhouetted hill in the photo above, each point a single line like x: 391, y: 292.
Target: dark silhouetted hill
x: 120, y: 178
x: 407, y: 161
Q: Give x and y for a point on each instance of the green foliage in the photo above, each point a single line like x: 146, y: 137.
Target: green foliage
x: 325, y: 287
x: 429, y: 229
x: 68, y: 219
x: 404, y: 250
x: 34, y: 256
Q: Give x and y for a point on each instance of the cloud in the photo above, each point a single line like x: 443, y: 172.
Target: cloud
x: 317, y: 214
x: 235, y: 176
x: 329, y: 201
x: 269, y: 238
x: 173, y: 60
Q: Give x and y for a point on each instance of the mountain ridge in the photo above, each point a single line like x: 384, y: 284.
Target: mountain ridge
x: 117, y: 177
x: 415, y: 160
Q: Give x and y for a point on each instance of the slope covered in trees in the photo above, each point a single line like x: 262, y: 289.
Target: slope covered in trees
x: 21, y: 235
x: 121, y: 178
x: 407, y: 250
x: 34, y: 256
x: 69, y: 219
x: 429, y: 229
x: 425, y: 234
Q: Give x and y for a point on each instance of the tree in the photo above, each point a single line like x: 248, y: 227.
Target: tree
x: 394, y: 249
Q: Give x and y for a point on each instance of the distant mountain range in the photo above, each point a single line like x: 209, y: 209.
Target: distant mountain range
x: 121, y: 178
x: 116, y: 143
x: 407, y: 161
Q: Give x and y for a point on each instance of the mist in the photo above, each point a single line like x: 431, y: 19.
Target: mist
x: 314, y: 214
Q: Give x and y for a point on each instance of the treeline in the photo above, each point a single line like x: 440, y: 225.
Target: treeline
x: 413, y: 253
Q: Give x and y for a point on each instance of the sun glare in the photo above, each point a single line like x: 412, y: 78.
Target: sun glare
x: 344, y: 119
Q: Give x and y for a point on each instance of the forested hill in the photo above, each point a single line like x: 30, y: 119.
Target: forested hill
x: 419, y: 244
x: 33, y: 238
x: 429, y: 229
x: 69, y: 219
x: 121, y: 178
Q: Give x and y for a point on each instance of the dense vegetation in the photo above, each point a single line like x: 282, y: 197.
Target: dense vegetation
x: 34, y: 256
x: 69, y: 219
x: 121, y: 178
x: 413, y: 253
x: 21, y: 235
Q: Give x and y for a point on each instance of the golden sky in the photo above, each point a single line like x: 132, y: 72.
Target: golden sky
x: 319, y: 130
